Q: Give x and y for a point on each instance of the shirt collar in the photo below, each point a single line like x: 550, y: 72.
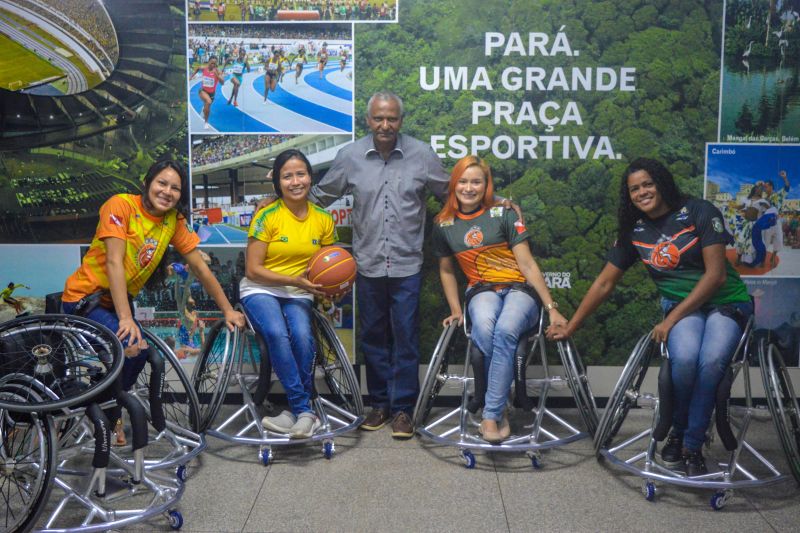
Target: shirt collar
x: 398, y: 147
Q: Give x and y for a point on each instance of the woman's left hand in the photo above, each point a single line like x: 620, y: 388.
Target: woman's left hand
x: 556, y: 318
x: 661, y: 331
x: 234, y: 318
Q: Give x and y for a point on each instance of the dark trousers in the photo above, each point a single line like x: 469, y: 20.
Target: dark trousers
x: 388, y: 318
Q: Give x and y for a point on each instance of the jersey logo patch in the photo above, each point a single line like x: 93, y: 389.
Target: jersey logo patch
x: 474, y: 237
x: 520, y: 227
x: 284, y: 238
x: 114, y: 219
x: 665, y: 256
x: 146, y: 252
x: 717, y: 224
x: 496, y: 211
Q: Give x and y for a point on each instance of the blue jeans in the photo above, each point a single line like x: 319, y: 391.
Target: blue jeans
x: 132, y: 366
x: 498, y: 319
x: 701, y: 346
x: 388, y: 317
x: 285, y: 326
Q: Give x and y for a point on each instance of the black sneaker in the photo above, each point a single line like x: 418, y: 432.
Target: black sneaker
x: 695, y: 464
x: 671, y: 454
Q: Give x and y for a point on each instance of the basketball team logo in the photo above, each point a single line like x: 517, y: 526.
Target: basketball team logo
x: 665, y: 256
x: 146, y: 252
x: 474, y: 237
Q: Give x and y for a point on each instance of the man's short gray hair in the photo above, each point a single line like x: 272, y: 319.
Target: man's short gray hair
x: 385, y: 95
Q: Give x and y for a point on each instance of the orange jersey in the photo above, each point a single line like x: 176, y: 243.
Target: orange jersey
x: 146, y: 238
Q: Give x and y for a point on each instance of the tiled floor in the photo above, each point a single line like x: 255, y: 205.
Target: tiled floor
x: 374, y: 483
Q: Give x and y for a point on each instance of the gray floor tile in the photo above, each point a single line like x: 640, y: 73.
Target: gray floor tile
x: 379, y: 490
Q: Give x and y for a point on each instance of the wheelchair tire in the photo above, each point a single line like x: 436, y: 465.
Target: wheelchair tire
x: 433, y: 381
x: 213, y: 370
x: 28, y: 448
x: 579, y: 383
x: 179, y: 398
x: 74, y: 357
x: 332, y: 359
x: 782, y: 403
x: 620, y: 401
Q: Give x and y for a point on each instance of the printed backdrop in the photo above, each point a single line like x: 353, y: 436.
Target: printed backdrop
x: 558, y: 96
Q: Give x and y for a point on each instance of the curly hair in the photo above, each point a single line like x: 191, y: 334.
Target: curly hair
x: 627, y: 213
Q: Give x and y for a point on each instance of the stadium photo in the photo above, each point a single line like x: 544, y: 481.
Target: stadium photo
x: 55, y: 47
x: 292, y: 78
x: 229, y: 177
x: 62, y: 156
x: 301, y: 10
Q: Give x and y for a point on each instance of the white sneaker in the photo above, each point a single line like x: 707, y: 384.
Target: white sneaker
x: 283, y: 423
x: 307, y: 423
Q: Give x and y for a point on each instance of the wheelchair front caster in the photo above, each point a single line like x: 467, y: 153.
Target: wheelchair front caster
x: 175, y: 519
x: 721, y: 498
x: 469, y: 459
x: 536, y: 460
x: 649, y: 491
x: 181, y: 473
x: 328, y: 449
x: 265, y: 456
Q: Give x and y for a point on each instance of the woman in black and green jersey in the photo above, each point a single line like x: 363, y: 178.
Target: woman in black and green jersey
x: 681, y: 241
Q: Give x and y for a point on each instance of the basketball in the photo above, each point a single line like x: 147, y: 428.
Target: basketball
x: 334, y: 268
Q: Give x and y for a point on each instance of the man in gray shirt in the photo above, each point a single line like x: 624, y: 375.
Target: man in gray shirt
x: 389, y: 176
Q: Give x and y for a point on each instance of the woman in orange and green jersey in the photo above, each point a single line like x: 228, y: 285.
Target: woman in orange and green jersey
x: 131, y: 238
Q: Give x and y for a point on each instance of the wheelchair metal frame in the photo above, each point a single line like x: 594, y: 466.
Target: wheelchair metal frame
x: 51, y: 403
x: 732, y: 474
x: 462, y: 434
x: 244, y: 425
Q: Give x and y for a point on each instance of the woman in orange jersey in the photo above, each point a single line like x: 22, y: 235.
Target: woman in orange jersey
x: 131, y: 238
x: 506, y: 287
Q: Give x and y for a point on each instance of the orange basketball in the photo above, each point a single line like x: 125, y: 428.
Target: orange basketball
x: 334, y: 268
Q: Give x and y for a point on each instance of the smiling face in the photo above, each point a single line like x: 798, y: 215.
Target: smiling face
x: 164, y: 192
x: 470, y: 189
x: 295, y: 180
x: 645, y: 194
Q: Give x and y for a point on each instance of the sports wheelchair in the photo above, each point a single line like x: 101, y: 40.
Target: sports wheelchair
x: 58, y: 385
x: 458, y: 427
x: 229, y: 364
x: 745, y: 466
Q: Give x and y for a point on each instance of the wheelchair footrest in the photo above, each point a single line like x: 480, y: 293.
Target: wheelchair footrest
x: 756, y: 413
x: 535, y: 385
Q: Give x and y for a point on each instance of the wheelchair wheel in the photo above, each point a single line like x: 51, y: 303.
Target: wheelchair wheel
x: 579, y: 383
x: 179, y: 399
x: 782, y: 403
x: 624, y: 393
x: 213, y: 370
x: 27, y: 465
x: 75, y: 358
x: 434, y: 379
x: 332, y: 359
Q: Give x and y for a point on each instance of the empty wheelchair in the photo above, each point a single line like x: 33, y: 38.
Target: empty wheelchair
x: 634, y: 450
x: 236, y: 363
x: 544, y: 428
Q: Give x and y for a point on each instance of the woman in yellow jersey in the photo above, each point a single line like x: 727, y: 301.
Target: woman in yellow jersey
x: 131, y: 238
x: 276, y: 294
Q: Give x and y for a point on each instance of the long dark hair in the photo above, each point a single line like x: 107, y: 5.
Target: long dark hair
x: 628, y: 214
x: 280, y: 161
x: 154, y: 170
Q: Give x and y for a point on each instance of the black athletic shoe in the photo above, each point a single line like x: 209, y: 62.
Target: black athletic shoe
x: 671, y: 453
x: 695, y: 464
